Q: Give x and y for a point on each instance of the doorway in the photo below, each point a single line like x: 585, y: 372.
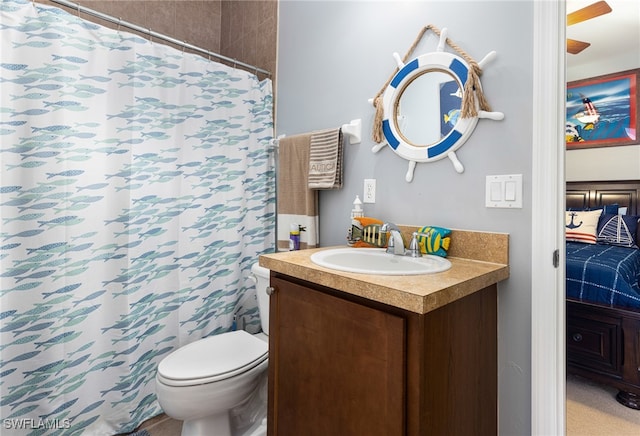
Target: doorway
x: 547, y: 282
x: 605, y: 55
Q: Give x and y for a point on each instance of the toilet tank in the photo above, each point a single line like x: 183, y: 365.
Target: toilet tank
x: 260, y: 276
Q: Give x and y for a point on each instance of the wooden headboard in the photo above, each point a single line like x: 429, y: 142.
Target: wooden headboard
x: 625, y: 193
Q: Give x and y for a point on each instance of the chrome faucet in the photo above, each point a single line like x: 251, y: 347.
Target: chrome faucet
x: 414, y: 245
x: 395, y: 244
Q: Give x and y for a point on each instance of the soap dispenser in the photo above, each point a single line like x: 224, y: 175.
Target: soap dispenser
x: 357, y: 211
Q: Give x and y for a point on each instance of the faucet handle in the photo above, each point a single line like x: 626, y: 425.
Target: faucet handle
x: 414, y: 245
x: 391, y: 245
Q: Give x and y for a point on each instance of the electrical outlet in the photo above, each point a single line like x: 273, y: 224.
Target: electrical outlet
x: 369, y: 191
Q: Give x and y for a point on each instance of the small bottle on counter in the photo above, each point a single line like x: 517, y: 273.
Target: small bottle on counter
x: 294, y: 237
x: 357, y: 211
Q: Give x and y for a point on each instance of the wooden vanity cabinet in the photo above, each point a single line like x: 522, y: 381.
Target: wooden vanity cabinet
x: 343, y: 365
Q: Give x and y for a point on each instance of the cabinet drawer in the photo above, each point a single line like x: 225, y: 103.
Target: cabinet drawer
x: 594, y: 341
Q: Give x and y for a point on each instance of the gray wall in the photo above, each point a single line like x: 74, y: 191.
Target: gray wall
x: 335, y: 55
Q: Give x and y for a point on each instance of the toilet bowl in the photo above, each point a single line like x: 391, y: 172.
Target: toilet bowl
x: 201, y: 382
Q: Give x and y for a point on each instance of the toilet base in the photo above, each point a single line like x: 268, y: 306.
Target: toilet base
x: 219, y: 425
x: 258, y: 429
x: 205, y: 409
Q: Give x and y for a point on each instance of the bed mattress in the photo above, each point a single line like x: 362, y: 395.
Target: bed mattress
x: 603, y: 274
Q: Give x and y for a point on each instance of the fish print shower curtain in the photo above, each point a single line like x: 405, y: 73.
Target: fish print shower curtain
x: 137, y: 188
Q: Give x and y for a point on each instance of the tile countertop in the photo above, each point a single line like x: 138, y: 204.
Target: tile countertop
x: 478, y: 260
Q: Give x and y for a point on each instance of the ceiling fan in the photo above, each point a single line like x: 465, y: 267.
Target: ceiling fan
x: 586, y: 13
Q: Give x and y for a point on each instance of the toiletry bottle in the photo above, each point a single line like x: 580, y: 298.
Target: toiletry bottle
x: 294, y: 237
x: 357, y: 211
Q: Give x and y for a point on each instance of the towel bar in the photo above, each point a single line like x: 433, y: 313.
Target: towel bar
x: 353, y: 130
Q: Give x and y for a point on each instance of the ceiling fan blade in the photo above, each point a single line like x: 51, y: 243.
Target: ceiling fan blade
x: 588, y: 12
x: 575, y: 47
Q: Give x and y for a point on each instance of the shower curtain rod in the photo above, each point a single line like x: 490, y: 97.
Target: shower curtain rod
x: 120, y: 22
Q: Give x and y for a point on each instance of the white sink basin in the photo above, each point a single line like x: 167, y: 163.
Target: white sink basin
x: 377, y: 261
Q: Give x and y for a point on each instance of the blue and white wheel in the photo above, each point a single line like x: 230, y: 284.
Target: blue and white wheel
x: 457, y: 69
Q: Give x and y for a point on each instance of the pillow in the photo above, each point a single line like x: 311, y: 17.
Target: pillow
x: 607, y: 208
x: 618, y: 230
x: 437, y: 243
x: 582, y: 226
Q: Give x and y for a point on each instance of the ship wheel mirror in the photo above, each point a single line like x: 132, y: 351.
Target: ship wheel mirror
x: 422, y: 119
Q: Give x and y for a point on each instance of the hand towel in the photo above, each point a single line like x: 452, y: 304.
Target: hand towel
x: 325, y: 159
x: 297, y: 204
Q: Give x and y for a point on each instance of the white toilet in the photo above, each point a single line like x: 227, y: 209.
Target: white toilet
x: 201, y: 382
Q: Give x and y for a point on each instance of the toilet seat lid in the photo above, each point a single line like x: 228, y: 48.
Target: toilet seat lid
x: 214, y: 358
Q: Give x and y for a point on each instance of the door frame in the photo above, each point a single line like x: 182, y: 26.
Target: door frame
x: 548, y: 383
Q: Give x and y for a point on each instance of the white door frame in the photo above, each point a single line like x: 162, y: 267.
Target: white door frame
x: 548, y: 204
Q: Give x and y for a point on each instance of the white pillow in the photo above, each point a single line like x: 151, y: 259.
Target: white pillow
x: 582, y: 226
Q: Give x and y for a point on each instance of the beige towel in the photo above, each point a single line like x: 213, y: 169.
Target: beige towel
x: 297, y: 204
x: 325, y: 159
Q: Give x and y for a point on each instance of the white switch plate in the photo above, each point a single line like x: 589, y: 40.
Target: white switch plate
x: 504, y: 191
x: 369, y: 191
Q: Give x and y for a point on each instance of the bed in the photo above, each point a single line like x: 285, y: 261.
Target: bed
x: 602, y: 289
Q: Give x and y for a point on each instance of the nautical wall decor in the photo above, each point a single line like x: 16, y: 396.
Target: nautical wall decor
x: 603, y: 111
x: 430, y: 106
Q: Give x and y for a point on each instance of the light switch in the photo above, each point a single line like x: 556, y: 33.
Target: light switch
x: 496, y: 191
x: 504, y: 191
x: 510, y: 190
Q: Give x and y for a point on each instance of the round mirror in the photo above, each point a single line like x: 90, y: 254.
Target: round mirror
x: 422, y: 120
x: 421, y: 107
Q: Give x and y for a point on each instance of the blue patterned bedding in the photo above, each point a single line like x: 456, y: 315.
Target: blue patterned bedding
x: 603, y: 274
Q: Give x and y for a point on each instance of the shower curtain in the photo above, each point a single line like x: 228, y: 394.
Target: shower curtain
x: 136, y: 190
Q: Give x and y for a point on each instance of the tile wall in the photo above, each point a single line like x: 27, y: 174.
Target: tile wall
x: 239, y: 29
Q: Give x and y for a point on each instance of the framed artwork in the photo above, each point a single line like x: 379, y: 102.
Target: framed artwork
x: 603, y: 111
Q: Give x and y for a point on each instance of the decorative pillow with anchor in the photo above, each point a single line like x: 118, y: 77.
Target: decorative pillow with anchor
x: 582, y: 226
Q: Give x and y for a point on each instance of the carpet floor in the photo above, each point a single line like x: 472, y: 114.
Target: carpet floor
x: 592, y: 410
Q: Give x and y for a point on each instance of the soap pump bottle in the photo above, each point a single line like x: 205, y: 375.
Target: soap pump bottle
x: 357, y: 211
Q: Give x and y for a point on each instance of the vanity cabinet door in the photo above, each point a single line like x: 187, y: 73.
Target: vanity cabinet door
x: 335, y: 367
